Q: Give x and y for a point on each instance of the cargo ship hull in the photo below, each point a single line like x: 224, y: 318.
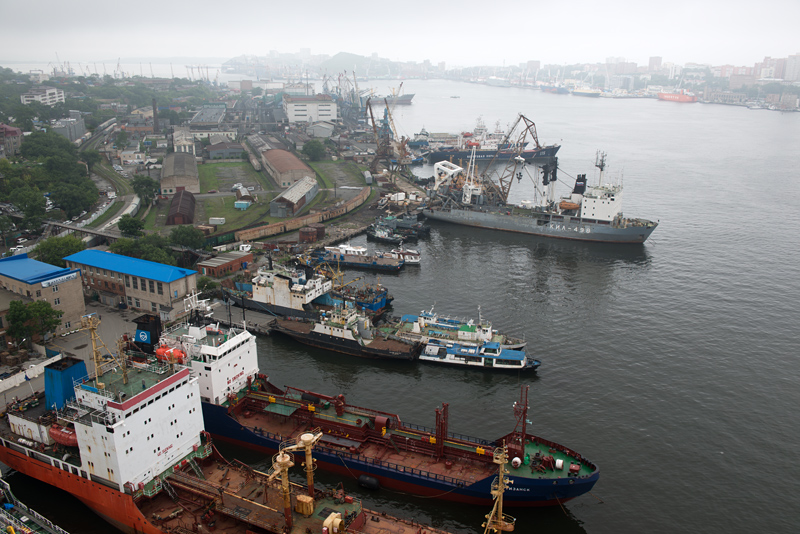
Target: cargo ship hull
x: 379, y: 348
x: 377, y: 306
x: 547, y: 225
x: 523, y: 492
x: 537, y: 155
x: 113, y: 506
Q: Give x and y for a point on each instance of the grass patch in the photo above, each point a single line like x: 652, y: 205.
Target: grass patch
x: 210, y: 174
x: 110, y: 213
x: 235, y: 219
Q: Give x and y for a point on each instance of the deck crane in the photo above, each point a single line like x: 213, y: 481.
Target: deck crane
x: 516, y: 162
x: 356, y: 95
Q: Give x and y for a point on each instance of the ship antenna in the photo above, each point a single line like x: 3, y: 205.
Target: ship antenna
x: 600, y: 163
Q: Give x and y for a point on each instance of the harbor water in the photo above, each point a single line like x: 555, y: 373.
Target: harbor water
x: 672, y: 365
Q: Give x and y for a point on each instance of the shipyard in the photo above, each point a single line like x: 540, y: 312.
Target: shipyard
x: 413, y: 269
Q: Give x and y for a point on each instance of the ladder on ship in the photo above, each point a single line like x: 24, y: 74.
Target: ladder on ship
x: 170, y: 490
x: 196, y: 468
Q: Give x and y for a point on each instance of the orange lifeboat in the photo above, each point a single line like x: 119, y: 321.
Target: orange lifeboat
x: 564, y: 205
x: 63, y: 435
x: 166, y: 354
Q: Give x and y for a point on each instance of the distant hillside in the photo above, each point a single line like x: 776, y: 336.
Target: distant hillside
x: 362, y: 65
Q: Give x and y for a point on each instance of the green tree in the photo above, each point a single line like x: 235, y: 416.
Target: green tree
x: 187, y: 236
x: 5, y: 228
x: 204, y: 283
x: 257, y: 91
x: 91, y: 158
x: 32, y: 203
x: 55, y: 249
x: 32, y: 319
x: 130, y: 226
x: 314, y: 149
x: 121, y: 139
x: 45, y: 319
x: 151, y: 247
x: 146, y: 188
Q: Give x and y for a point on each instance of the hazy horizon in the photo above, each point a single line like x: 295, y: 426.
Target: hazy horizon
x: 466, y: 34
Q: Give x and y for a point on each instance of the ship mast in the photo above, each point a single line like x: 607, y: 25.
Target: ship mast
x: 600, y: 163
x: 90, y: 322
x: 497, y: 520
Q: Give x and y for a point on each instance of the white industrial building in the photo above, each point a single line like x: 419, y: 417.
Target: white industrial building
x: 310, y: 108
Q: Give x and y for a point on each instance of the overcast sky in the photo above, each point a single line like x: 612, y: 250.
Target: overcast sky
x: 460, y: 33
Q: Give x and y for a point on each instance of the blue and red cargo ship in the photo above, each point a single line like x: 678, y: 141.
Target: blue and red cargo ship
x: 382, y: 451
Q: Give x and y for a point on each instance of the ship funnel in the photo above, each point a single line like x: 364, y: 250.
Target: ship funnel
x: 580, y: 185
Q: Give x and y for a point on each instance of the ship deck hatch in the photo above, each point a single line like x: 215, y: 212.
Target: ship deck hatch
x: 280, y: 409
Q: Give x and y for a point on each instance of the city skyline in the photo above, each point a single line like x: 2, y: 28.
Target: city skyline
x: 473, y: 34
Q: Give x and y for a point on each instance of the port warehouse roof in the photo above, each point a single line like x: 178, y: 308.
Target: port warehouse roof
x: 30, y: 271
x: 131, y: 266
x: 298, y: 190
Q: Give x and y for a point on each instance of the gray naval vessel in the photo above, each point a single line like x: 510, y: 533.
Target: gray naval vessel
x: 588, y: 213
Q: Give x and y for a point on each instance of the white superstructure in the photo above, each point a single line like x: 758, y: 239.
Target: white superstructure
x: 289, y: 289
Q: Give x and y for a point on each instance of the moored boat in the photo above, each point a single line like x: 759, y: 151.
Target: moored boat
x: 680, y: 95
x: 144, y: 462
x: 345, y: 330
x: 358, y: 441
x: 461, y: 197
x: 347, y: 255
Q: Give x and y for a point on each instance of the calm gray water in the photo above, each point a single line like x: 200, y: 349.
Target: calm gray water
x: 671, y: 365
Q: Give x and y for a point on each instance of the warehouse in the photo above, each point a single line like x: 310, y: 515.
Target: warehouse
x: 181, y: 209
x: 227, y: 263
x: 288, y: 203
x: 179, y: 173
x: 284, y: 167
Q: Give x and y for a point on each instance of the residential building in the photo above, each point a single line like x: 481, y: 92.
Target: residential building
x: 792, y: 68
x: 73, y: 128
x: 178, y: 173
x: 224, y: 264
x: 289, y: 202
x: 49, y: 96
x: 284, y: 167
x: 309, y: 108
x: 41, y: 281
x: 121, y: 281
x: 10, y: 139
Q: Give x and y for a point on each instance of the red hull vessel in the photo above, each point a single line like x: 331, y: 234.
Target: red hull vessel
x: 681, y: 96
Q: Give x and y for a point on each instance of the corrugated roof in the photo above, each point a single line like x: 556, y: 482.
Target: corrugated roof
x: 182, y: 203
x: 284, y: 161
x: 222, y: 259
x: 179, y: 164
x: 298, y: 190
x: 30, y: 271
x: 131, y: 266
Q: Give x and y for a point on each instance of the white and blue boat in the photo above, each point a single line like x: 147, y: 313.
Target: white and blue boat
x: 488, y: 355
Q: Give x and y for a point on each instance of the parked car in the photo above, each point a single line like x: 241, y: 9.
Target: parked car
x: 21, y: 240
x: 213, y: 191
x: 251, y: 188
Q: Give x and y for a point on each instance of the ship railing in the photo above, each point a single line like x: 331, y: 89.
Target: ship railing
x: 462, y: 437
x: 399, y: 468
x: 8, y: 519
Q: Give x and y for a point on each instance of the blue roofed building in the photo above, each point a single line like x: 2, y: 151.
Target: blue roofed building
x: 121, y: 281
x: 37, y: 280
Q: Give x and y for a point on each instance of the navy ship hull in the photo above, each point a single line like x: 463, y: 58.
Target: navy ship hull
x: 545, y: 224
x: 542, y: 154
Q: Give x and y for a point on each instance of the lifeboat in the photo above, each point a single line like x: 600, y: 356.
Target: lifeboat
x: 564, y: 205
x: 166, y: 354
x: 63, y: 435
